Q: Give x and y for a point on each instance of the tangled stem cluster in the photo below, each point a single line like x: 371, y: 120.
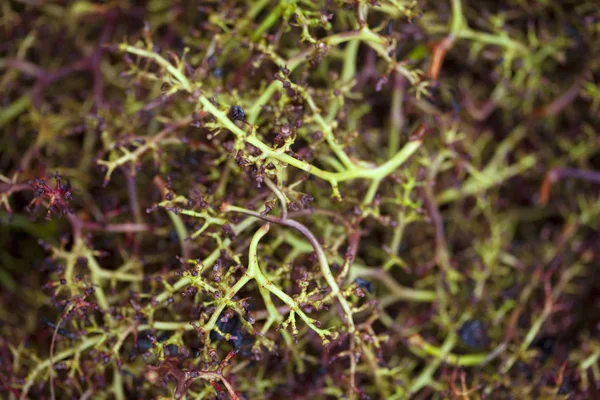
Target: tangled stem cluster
x: 266, y: 199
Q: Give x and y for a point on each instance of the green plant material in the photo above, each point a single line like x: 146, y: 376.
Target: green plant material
x: 358, y: 199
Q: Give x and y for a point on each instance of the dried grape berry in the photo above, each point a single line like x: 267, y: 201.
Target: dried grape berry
x: 236, y: 113
x: 473, y: 335
x: 365, y: 284
x: 240, y: 340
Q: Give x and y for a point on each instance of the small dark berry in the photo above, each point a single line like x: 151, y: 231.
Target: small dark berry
x: 473, y: 335
x: 218, y: 72
x: 307, y: 199
x: 236, y: 113
x: 365, y: 284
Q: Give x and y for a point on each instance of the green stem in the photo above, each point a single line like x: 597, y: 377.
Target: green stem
x: 176, y: 73
x: 323, y: 263
x: 84, y: 345
x: 181, y: 232
x: 267, y: 23
x: 209, y: 260
x: 332, y: 177
x: 12, y: 111
x: 417, y: 344
x: 350, y: 54
x: 425, y: 378
x: 371, y: 192
x: 399, y: 291
x: 458, y: 19
x: 396, y: 116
